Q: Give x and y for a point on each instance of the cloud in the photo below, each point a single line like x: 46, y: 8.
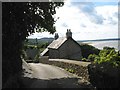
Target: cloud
x: 64, y: 25
x: 103, y: 1
x: 109, y: 13
x: 88, y: 9
x: 97, y: 19
x: 83, y: 25
x: 87, y: 21
x: 116, y: 14
x: 112, y: 21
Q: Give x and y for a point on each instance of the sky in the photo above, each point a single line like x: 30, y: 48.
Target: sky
x: 96, y: 19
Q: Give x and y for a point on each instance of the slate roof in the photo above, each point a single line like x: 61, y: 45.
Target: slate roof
x: 57, y: 43
x: 44, y: 52
x: 54, y: 45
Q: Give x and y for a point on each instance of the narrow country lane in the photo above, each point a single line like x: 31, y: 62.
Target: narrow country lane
x: 48, y: 76
x: 44, y: 71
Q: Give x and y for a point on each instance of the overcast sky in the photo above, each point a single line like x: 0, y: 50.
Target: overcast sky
x: 87, y: 20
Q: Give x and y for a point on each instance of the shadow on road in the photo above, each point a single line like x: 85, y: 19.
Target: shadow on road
x: 54, y: 83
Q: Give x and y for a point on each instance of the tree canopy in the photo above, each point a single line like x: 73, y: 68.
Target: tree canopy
x: 25, y: 18
x: 19, y: 20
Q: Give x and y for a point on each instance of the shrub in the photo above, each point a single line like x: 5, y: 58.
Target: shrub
x: 70, y: 70
x: 88, y: 49
x: 108, y: 55
x: 24, y: 55
x: 36, y: 61
x: 30, y: 47
x: 92, y: 57
x: 105, y: 71
x: 37, y: 57
x: 29, y: 58
x: 84, y: 59
x: 104, y: 75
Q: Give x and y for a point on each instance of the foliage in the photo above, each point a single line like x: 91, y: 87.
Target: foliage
x: 44, y: 45
x: 26, y: 18
x: 84, y: 59
x: 88, y: 49
x: 92, y: 57
x: 37, y: 46
x: 24, y: 55
x: 36, y: 60
x: 70, y: 70
x: 37, y: 57
x: 30, y: 47
x: 19, y: 20
x: 42, y: 49
x: 108, y: 55
x: 104, y: 75
x: 105, y: 70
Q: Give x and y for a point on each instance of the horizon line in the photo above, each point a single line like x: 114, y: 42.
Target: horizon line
x: 83, y: 40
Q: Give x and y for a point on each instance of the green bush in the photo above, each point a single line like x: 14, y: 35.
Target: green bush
x: 108, y: 55
x: 70, y: 70
x: 104, y: 75
x: 92, y: 57
x: 37, y: 57
x: 30, y: 47
x: 104, y: 72
x: 88, y: 49
x: 84, y: 59
x: 24, y: 55
x: 44, y: 45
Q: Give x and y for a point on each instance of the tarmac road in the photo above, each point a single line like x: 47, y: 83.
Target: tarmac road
x: 44, y: 71
x: 48, y: 76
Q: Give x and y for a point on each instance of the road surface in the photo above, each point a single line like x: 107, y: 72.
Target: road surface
x: 48, y: 76
x: 44, y: 71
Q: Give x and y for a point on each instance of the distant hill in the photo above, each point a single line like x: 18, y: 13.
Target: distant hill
x: 49, y: 40
x: 42, y: 40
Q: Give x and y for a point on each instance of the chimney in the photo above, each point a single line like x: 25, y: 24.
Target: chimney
x: 56, y: 36
x: 68, y: 33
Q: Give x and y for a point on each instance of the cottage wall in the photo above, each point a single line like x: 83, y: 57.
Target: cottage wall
x: 70, y: 50
x: 63, y: 51
x: 53, y: 53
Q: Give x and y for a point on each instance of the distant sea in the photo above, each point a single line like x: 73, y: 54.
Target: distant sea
x: 101, y: 44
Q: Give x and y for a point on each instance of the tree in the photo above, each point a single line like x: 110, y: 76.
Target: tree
x: 19, y: 20
x: 36, y: 41
x: 88, y: 49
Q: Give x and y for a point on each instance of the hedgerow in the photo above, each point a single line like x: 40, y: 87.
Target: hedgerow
x: 107, y: 55
x: 104, y: 72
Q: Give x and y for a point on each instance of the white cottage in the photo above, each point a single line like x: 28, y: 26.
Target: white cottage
x: 63, y: 48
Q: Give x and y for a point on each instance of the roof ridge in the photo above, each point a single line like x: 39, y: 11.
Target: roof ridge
x: 57, y: 43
